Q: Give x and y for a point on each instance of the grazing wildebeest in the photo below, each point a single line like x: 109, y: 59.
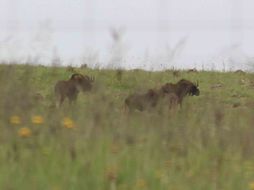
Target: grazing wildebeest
x: 70, y: 88
x: 194, y: 70
x: 176, y: 73
x: 181, y: 89
x: 170, y: 94
x: 239, y: 71
x: 143, y: 101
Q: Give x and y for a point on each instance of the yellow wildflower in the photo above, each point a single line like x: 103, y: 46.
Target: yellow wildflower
x: 15, y: 120
x: 159, y: 174
x: 68, y: 123
x: 141, y: 184
x: 37, y: 119
x: 251, y: 185
x: 25, y: 132
x: 112, y: 173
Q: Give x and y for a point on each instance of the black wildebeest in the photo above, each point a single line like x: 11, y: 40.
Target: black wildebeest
x: 181, y: 89
x: 143, y: 101
x: 239, y: 71
x: 170, y: 94
x: 194, y: 70
x: 70, y: 88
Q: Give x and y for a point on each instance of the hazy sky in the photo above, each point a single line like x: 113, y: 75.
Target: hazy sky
x: 155, y: 33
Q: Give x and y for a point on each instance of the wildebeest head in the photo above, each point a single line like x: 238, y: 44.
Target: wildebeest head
x: 194, y: 70
x: 82, y: 82
x: 194, y: 91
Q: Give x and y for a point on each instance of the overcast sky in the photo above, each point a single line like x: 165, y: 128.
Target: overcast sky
x: 155, y: 33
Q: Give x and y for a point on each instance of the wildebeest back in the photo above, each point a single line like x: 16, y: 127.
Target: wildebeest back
x: 142, y: 101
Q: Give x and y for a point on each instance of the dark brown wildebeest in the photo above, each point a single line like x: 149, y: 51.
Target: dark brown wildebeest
x: 239, y: 71
x: 176, y: 73
x: 70, y: 88
x: 194, y: 70
x: 181, y: 89
x: 143, y: 101
x: 170, y: 94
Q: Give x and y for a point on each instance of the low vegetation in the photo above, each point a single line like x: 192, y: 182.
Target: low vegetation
x: 93, y: 143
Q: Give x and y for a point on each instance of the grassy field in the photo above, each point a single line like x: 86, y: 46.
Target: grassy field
x: 208, y: 144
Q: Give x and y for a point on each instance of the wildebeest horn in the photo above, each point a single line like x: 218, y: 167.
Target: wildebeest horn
x: 74, y: 76
x: 197, y: 83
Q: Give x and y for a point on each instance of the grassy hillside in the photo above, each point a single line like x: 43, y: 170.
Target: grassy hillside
x: 207, y: 144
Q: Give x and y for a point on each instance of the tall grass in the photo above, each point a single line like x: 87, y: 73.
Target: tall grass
x: 94, y: 144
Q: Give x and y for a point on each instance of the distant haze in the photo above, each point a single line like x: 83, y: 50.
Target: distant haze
x: 148, y: 34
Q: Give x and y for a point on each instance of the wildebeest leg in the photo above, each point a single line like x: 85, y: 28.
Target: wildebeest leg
x: 72, y: 98
x: 127, y: 109
x: 71, y: 101
x: 61, y: 100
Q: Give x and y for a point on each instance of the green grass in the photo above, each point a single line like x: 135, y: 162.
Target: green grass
x: 207, y: 144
